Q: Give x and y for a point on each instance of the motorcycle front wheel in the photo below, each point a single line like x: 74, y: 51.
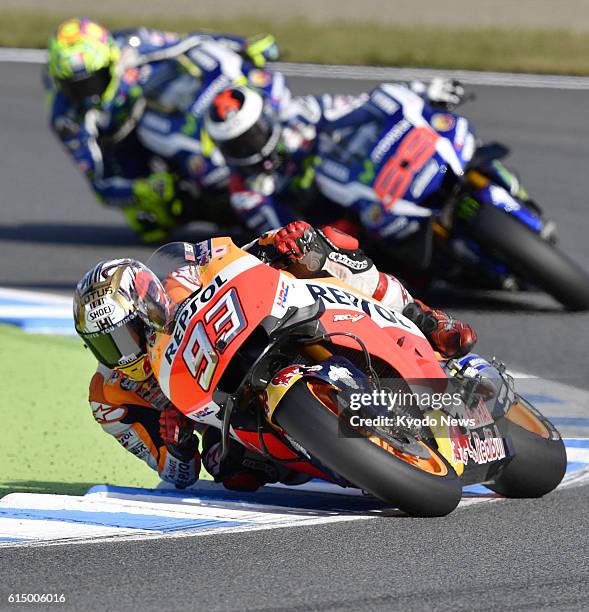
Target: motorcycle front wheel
x: 531, y: 257
x: 540, y: 460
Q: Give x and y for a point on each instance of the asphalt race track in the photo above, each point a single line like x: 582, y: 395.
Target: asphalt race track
x: 523, y: 555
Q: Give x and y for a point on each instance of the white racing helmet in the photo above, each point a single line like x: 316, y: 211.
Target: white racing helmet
x: 243, y: 126
x: 114, y: 303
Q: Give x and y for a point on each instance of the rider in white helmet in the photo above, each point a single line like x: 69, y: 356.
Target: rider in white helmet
x: 325, y: 158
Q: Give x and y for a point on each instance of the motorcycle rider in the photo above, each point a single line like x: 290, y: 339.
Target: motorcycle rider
x: 299, y: 157
x: 119, y: 303
x: 127, y: 107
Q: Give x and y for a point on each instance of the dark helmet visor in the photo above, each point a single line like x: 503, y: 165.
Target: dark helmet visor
x: 78, y: 90
x: 253, y: 145
x: 112, y: 345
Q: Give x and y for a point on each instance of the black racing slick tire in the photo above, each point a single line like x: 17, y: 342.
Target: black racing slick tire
x: 531, y: 257
x: 540, y: 460
x: 364, y: 463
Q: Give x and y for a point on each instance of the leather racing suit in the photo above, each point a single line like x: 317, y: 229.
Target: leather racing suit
x: 331, y: 152
x: 146, y: 136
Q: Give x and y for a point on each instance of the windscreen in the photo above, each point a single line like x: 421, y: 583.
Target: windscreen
x: 176, y: 265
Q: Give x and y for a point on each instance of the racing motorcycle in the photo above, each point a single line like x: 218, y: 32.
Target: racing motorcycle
x: 294, y: 369
x: 485, y: 231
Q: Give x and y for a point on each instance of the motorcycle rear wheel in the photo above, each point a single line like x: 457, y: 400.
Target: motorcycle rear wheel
x: 424, y: 488
x: 532, y: 257
x: 540, y: 459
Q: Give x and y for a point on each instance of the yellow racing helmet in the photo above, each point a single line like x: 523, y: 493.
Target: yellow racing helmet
x: 83, y: 60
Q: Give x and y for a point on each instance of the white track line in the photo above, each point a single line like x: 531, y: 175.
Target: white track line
x: 328, y: 71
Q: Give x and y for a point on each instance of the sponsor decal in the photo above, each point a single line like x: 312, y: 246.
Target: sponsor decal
x: 150, y: 336
x: 189, y: 252
x: 204, y: 412
x: 337, y: 171
x: 259, y: 78
x: 343, y: 259
x: 480, y: 414
x: 373, y: 215
x: 367, y: 174
x: 134, y: 444
x: 246, y: 200
x: 285, y: 375
x: 442, y: 122
x: 127, y: 384
x: 202, y: 297
x: 337, y: 373
x: 389, y: 139
x: 123, y: 361
x: 151, y: 120
x: 205, y: 99
x: 114, y: 376
x: 197, y: 165
x: 424, y: 178
x: 282, y: 294
x: 501, y: 196
x: 101, y: 312
x: 479, y: 450
x: 461, y: 133
x: 108, y: 414
x: 335, y: 295
x: 177, y: 471
x: 385, y: 102
x: 202, y: 59
x: 150, y: 392
x: 96, y: 295
x: 203, y: 252
x: 410, y: 157
x: 341, y: 106
x: 395, y: 227
x: 66, y: 127
x: 131, y: 75
x: 347, y: 317
x: 220, y: 251
x: 218, y: 175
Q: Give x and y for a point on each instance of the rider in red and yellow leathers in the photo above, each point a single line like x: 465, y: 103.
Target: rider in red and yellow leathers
x: 125, y: 397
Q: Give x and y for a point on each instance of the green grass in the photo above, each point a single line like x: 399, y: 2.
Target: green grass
x: 50, y: 441
x: 558, y: 52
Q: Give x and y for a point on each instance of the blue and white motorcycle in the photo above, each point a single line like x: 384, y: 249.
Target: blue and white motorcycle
x: 484, y: 230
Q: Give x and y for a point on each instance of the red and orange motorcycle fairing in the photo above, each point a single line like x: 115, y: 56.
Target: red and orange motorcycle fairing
x: 238, y: 291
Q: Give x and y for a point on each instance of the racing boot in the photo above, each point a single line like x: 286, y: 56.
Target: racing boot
x: 447, y: 335
x: 240, y: 470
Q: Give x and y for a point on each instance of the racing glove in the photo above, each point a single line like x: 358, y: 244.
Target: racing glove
x: 300, y: 246
x: 261, y: 49
x: 157, y: 208
x: 449, y: 336
x: 176, y: 431
x: 445, y: 93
